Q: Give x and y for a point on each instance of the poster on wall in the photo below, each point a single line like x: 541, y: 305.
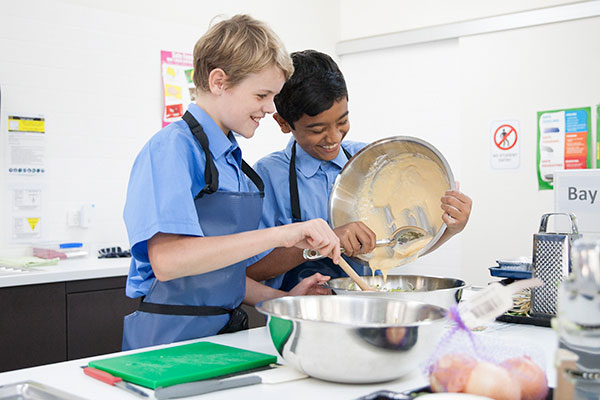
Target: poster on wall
x: 505, y: 144
x: 26, y: 213
x: 178, y: 85
x: 25, y: 145
x: 564, y: 141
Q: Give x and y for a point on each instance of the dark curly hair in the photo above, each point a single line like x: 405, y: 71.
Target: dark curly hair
x: 315, y: 85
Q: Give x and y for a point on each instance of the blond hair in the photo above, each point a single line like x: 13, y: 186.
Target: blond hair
x: 239, y: 46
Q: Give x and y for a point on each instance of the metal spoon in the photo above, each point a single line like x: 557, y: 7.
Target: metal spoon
x: 402, y: 235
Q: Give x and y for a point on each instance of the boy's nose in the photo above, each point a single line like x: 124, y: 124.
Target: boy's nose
x: 335, y: 135
x: 269, y: 107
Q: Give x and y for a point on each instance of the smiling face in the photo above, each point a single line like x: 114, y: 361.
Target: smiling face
x: 241, y: 107
x: 321, y: 135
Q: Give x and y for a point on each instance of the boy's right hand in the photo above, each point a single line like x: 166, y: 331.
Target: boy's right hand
x: 313, y: 234
x: 356, y: 238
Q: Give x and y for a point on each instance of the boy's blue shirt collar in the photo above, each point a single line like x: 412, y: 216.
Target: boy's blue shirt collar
x: 307, y: 164
x: 219, y: 144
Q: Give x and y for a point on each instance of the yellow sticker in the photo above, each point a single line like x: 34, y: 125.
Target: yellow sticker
x: 26, y: 124
x: 33, y: 222
x: 173, y: 91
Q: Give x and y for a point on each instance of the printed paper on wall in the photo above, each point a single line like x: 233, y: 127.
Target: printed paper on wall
x: 178, y: 85
x: 564, y: 142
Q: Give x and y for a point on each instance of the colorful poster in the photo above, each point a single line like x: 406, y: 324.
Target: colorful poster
x: 178, y: 85
x: 564, y: 142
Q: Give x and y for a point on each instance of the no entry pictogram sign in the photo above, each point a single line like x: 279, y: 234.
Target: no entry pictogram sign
x: 505, y: 137
x: 504, y: 144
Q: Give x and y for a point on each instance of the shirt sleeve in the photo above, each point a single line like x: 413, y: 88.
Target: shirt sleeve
x: 159, y: 195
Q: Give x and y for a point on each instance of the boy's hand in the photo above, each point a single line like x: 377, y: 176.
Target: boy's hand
x: 311, y: 285
x: 356, y: 238
x: 313, y: 234
x: 457, y: 207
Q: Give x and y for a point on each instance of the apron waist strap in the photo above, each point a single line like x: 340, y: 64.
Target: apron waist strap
x: 176, y: 309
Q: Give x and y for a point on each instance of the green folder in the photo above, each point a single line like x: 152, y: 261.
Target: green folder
x: 181, y: 364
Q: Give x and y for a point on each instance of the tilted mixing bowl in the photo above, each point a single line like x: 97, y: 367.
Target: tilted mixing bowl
x: 346, y: 197
x: 353, y: 339
x: 439, y: 291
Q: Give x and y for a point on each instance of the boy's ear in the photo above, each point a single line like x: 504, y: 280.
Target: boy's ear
x: 217, y: 81
x: 285, y: 127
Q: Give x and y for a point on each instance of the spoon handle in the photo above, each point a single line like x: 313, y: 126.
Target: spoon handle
x: 311, y: 254
x: 354, y: 276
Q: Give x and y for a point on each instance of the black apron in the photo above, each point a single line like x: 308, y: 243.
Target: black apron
x: 323, y: 266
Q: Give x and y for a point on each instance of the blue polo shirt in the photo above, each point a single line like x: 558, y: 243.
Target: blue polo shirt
x: 166, y: 176
x: 315, y: 180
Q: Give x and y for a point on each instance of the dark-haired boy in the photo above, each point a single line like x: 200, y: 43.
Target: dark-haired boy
x: 313, y: 106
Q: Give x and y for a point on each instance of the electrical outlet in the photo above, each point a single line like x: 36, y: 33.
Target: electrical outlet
x: 73, y: 217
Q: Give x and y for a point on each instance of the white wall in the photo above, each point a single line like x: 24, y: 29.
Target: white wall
x: 410, y: 91
x: 448, y: 92
x: 377, y: 17
x: 93, y: 69
x: 514, y: 74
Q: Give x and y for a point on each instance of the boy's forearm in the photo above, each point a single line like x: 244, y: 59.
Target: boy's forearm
x: 277, y: 262
x: 257, y: 292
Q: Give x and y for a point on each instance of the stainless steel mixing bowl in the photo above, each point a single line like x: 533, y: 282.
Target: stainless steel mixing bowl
x: 439, y: 291
x: 353, y: 339
x: 345, y: 194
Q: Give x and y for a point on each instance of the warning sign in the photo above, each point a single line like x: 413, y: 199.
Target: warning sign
x: 504, y: 145
x: 505, y: 137
x: 33, y: 222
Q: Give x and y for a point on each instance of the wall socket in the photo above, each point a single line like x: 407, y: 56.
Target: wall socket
x: 73, y: 217
x: 81, y: 217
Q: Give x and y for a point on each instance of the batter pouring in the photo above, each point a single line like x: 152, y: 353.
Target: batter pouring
x: 400, y: 192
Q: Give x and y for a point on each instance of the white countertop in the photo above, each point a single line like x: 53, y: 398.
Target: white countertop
x: 66, y: 270
x: 69, y: 377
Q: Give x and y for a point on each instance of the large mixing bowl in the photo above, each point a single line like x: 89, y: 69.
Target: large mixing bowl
x: 345, y: 198
x: 439, y: 291
x: 353, y: 339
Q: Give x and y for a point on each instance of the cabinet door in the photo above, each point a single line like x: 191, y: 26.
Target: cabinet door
x: 95, y: 320
x: 32, y: 321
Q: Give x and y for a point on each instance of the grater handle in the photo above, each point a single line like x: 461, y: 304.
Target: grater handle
x: 573, y: 219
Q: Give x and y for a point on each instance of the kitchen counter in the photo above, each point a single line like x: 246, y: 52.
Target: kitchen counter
x: 66, y: 270
x: 68, y: 376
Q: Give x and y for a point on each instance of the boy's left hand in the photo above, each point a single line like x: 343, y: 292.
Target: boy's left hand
x: 356, y: 238
x: 457, y: 209
x: 311, y: 285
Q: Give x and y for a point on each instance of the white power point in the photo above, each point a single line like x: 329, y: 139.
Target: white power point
x: 86, y: 214
x: 81, y: 217
x: 73, y: 217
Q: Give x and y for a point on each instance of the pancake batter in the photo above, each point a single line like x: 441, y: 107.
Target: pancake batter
x: 399, y: 192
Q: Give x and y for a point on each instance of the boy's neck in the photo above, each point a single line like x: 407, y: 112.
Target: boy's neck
x: 206, y: 102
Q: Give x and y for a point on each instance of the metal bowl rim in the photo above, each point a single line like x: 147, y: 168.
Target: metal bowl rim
x: 463, y: 285
x: 443, y: 311
x: 383, y: 141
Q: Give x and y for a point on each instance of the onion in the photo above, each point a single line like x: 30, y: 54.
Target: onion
x: 451, y: 372
x: 534, y: 385
x: 493, y: 381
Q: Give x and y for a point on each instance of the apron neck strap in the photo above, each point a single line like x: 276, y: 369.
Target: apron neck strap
x: 254, y: 177
x: 211, y: 173
x: 293, y: 182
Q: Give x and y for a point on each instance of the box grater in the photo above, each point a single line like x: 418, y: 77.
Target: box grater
x: 551, y: 263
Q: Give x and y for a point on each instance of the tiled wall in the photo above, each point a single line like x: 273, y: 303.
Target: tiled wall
x: 93, y: 71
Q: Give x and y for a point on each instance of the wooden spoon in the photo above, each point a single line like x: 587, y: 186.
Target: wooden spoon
x: 354, y: 276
